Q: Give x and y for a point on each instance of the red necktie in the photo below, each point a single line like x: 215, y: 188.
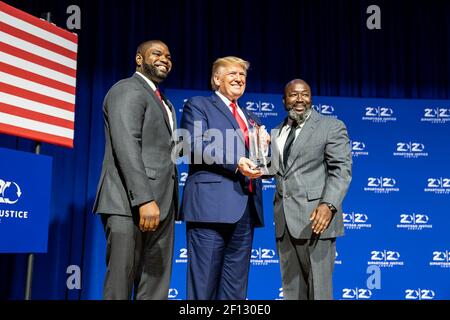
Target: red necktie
x: 240, y: 121
x: 158, y: 94
x: 244, y: 129
x: 165, y: 110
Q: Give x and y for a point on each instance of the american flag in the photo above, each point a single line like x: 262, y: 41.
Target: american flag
x: 38, y: 64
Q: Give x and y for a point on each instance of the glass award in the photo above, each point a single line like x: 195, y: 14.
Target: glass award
x: 258, y: 146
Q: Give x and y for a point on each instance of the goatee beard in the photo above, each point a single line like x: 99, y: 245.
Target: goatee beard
x: 299, y: 117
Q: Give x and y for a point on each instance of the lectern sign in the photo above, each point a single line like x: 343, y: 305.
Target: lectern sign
x: 25, y: 188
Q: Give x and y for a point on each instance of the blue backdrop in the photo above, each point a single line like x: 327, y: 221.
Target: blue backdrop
x: 393, y: 213
x: 326, y: 43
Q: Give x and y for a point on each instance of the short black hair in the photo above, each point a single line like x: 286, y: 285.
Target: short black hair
x: 144, y: 46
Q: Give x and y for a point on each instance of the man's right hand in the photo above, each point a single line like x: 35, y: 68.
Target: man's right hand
x: 149, y: 216
x: 248, y: 168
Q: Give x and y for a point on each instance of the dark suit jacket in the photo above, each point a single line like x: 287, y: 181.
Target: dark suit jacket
x: 214, y: 192
x: 137, y: 165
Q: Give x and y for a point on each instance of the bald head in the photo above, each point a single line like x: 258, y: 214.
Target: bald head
x: 294, y: 82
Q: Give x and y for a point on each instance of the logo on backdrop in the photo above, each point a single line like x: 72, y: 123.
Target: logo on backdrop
x: 385, y: 258
x: 414, y: 222
x: 419, y: 294
x: 280, y: 294
x: 262, y: 109
x: 173, y: 294
x: 438, y: 185
x: 356, y: 221
x: 182, y: 179
x: 379, y: 114
x: 325, y: 109
x: 356, y: 294
x: 182, y: 256
x: 381, y: 185
x: 410, y: 150
x: 268, y: 184
x: 263, y: 257
x: 9, y: 192
x: 337, y: 260
x: 441, y: 259
x: 358, y: 148
x: 436, y: 115
x: 180, y: 110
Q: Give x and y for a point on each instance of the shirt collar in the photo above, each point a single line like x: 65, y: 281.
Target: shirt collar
x: 150, y: 82
x: 225, y: 99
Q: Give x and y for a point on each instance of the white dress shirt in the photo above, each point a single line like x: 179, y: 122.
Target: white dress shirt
x: 228, y: 102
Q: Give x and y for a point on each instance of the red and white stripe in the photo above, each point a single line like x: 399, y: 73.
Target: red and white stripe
x: 38, y: 63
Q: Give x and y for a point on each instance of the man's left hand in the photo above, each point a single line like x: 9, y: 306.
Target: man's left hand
x: 321, y: 218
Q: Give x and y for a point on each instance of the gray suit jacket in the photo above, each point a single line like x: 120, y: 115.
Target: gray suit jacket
x: 319, y: 169
x: 137, y: 165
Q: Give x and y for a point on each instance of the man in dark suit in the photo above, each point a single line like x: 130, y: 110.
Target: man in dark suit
x: 221, y: 205
x: 313, y: 170
x: 138, y: 189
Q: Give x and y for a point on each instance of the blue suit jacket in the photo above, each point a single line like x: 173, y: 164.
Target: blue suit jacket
x: 214, y: 192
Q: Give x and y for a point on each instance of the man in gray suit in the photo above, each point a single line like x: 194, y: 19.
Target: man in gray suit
x: 137, y: 194
x: 312, y: 160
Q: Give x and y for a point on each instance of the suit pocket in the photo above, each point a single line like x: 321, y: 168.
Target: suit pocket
x: 203, y: 178
x: 151, y: 173
x: 314, y: 194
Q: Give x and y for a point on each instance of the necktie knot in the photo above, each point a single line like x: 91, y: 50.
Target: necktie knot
x: 240, y: 121
x: 233, y: 107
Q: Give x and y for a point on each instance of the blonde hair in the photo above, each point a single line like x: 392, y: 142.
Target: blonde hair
x: 226, y: 61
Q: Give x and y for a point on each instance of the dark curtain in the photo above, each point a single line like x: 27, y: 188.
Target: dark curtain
x: 324, y: 42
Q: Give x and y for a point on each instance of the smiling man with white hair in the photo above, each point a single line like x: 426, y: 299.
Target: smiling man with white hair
x: 222, y: 199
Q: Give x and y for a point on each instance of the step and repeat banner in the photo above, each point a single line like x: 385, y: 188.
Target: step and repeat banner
x: 397, y: 210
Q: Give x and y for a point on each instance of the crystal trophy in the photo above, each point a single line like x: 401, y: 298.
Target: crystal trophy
x: 258, y: 146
